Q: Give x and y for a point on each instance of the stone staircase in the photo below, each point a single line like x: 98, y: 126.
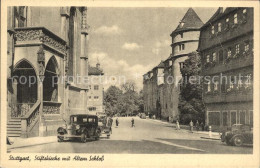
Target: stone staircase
x: 14, y: 128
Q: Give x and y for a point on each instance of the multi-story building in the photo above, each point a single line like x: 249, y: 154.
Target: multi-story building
x: 185, y: 40
x: 96, y: 90
x: 226, y: 49
x: 45, y: 62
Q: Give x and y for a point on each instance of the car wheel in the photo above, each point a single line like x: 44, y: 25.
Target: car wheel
x: 83, y: 137
x: 60, y: 139
x: 238, y: 141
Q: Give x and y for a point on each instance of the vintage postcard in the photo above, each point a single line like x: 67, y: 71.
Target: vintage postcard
x: 129, y: 84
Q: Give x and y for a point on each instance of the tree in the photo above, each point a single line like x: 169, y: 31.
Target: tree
x: 111, y: 98
x: 190, y: 105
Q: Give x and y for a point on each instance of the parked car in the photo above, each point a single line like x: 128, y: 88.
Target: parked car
x: 105, y: 124
x: 240, y: 134
x: 82, y: 127
x: 143, y: 116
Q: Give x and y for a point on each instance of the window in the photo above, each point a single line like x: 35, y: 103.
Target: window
x: 170, y: 63
x: 20, y: 16
x: 214, y: 57
x: 225, y: 118
x: 181, y: 34
x: 220, y: 56
x: 223, y: 82
x: 232, y: 83
x: 235, y: 18
x: 96, y: 87
x: 244, y: 16
x: 229, y: 53
x: 246, y: 46
x: 242, y: 117
x: 181, y: 65
x: 219, y: 27
x: 215, y: 85
x: 96, y: 97
x: 208, y: 87
x: 227, y: 23
x: 207, y: 58
x: 214, y: 118
x: 181, y: 47
x: 89, y: 87
x: 239, y: 83
x: 92, y: 108
x: 237, y: 49
x: 233, y: 117
x: 89, y: 97
x: 212, y: 30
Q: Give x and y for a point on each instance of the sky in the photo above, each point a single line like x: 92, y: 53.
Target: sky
x: 128, y: 42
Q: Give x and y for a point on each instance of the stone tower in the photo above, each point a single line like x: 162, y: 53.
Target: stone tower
x: 185, y: 40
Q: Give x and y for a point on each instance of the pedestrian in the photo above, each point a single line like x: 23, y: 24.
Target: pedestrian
x: 202, y: 126
x: 197, y: 125
x: 177, y: 125
x: 133, y: 122
x: 191, y: 126
x: 117, y: 122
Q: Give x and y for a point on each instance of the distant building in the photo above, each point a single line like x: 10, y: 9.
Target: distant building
x: 185, y: 40
x: 96, y: 90
x: 47, y: 44
x: 226, y: 48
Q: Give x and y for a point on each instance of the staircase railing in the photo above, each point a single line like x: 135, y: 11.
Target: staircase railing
x: 30, y: 118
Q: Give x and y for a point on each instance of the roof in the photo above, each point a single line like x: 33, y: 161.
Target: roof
x: 219, y: 14
x: 191, y: 21
x: 95, y: 71
x: 161, y: 65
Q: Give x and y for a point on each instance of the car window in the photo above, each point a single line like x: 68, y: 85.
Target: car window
x: 74, y: 119
x: 85, y: 120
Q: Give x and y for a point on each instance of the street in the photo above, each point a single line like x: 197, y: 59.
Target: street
x: 147, y: 137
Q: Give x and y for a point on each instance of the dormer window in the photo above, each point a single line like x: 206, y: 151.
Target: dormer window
x: 237, y: 49
x: 244, y: 16
x: 227, y: 23
x: 181, y: 24
x: 235, y: 18
x: 214, y: 57
x: 229, y: 53
x: 213, y: 30
x: 219, y: 27
x: 207, y: 58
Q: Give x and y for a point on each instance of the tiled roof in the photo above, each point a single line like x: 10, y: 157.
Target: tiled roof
x: 191, y: 21
x: 94, y: 71
x: 218, y: 14
x: 161, y: 65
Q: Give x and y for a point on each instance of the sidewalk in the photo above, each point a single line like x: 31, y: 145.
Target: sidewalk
x: 205, y: 134
x: 33, y: 141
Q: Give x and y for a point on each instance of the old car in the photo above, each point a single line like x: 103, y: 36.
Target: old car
x: 105, y: 125
x: 238, y: 135
x: 143, y: 116
x: 82, y: 127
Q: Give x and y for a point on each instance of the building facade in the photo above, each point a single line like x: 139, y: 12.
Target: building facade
x: 46, y: 66
x: 185, y: 40
x: 96, y: 90
x: 226, y: 49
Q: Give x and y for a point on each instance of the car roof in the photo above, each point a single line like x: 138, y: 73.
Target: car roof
x: 84, y: 115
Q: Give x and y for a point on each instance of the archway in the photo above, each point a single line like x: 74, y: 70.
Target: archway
x: 24, y: 82
x: 50, y: 85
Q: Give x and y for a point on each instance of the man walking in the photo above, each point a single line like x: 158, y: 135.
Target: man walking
x: 177, y: 125
x: 117, y: 122
x: 191, y: 126
x: 133, y: 122
x: 197, y: 125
